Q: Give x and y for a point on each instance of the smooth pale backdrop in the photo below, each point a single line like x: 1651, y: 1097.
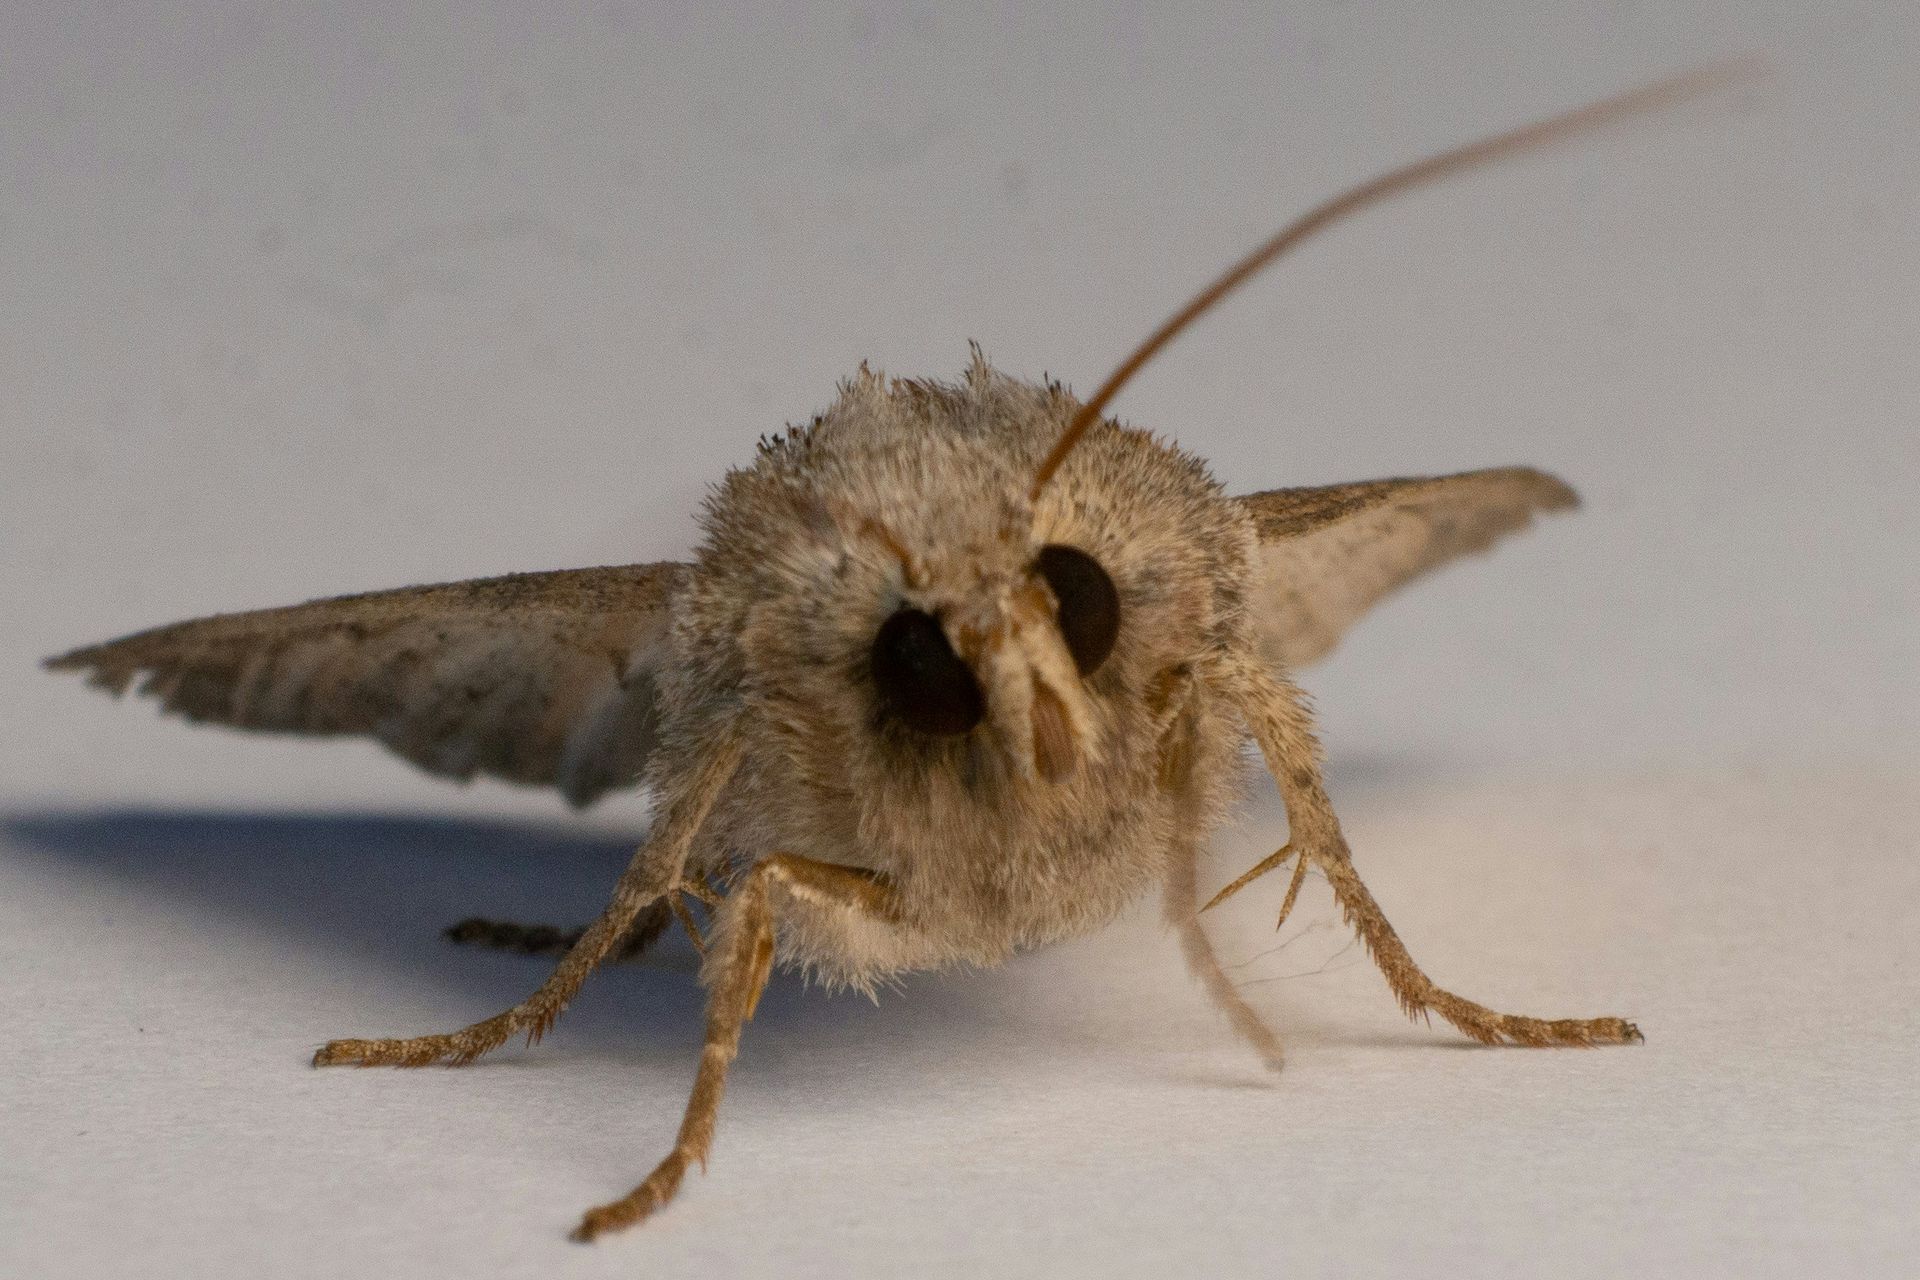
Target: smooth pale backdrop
x: 298, y: 305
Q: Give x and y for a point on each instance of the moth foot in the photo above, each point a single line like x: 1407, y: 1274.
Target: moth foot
x: 1488, y: 1027
x: 637, y: 1205
x: 506, y: 935
x: 456, y: 1049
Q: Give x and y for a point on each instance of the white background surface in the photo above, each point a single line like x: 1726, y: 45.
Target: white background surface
x: 297, y: 306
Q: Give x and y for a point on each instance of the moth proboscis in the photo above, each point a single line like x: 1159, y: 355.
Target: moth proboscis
x: 957, y: 669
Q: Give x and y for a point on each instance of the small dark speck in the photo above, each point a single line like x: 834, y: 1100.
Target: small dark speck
x: 270, y: 239
x: 513, y: 102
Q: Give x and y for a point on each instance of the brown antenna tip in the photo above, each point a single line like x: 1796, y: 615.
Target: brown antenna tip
x: 1652, y: 97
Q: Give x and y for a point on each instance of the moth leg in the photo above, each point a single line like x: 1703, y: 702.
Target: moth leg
x: 548, y: 940
x: 655, y: 870
x: 687, y: 922
x: 738, y: 965
x: 1278, y: 714
x: 1183, y: 913
x: 1182, y: 896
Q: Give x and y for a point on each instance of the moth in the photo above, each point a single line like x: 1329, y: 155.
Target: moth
x: 957, y: 669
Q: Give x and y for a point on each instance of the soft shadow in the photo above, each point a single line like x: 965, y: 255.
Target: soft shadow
x: 347, y: 889
x: 1306, y: 1038
x: 381, y: 887
x: 1440, y: 1037
x: 1369, y: 775
x: 1248, y: 1080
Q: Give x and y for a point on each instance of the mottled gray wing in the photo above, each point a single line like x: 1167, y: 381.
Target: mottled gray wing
x: 538, y: 678
x: 1327, y: 554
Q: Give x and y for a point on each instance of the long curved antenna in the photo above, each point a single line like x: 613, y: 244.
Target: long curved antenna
x: 1662, y: 93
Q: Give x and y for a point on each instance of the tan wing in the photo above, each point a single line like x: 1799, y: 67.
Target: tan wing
x: 1327, y: 554
x: 539, y: 678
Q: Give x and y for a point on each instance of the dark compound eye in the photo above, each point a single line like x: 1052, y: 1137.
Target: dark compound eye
x: 1089, y: 604
x: 922, y: 680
